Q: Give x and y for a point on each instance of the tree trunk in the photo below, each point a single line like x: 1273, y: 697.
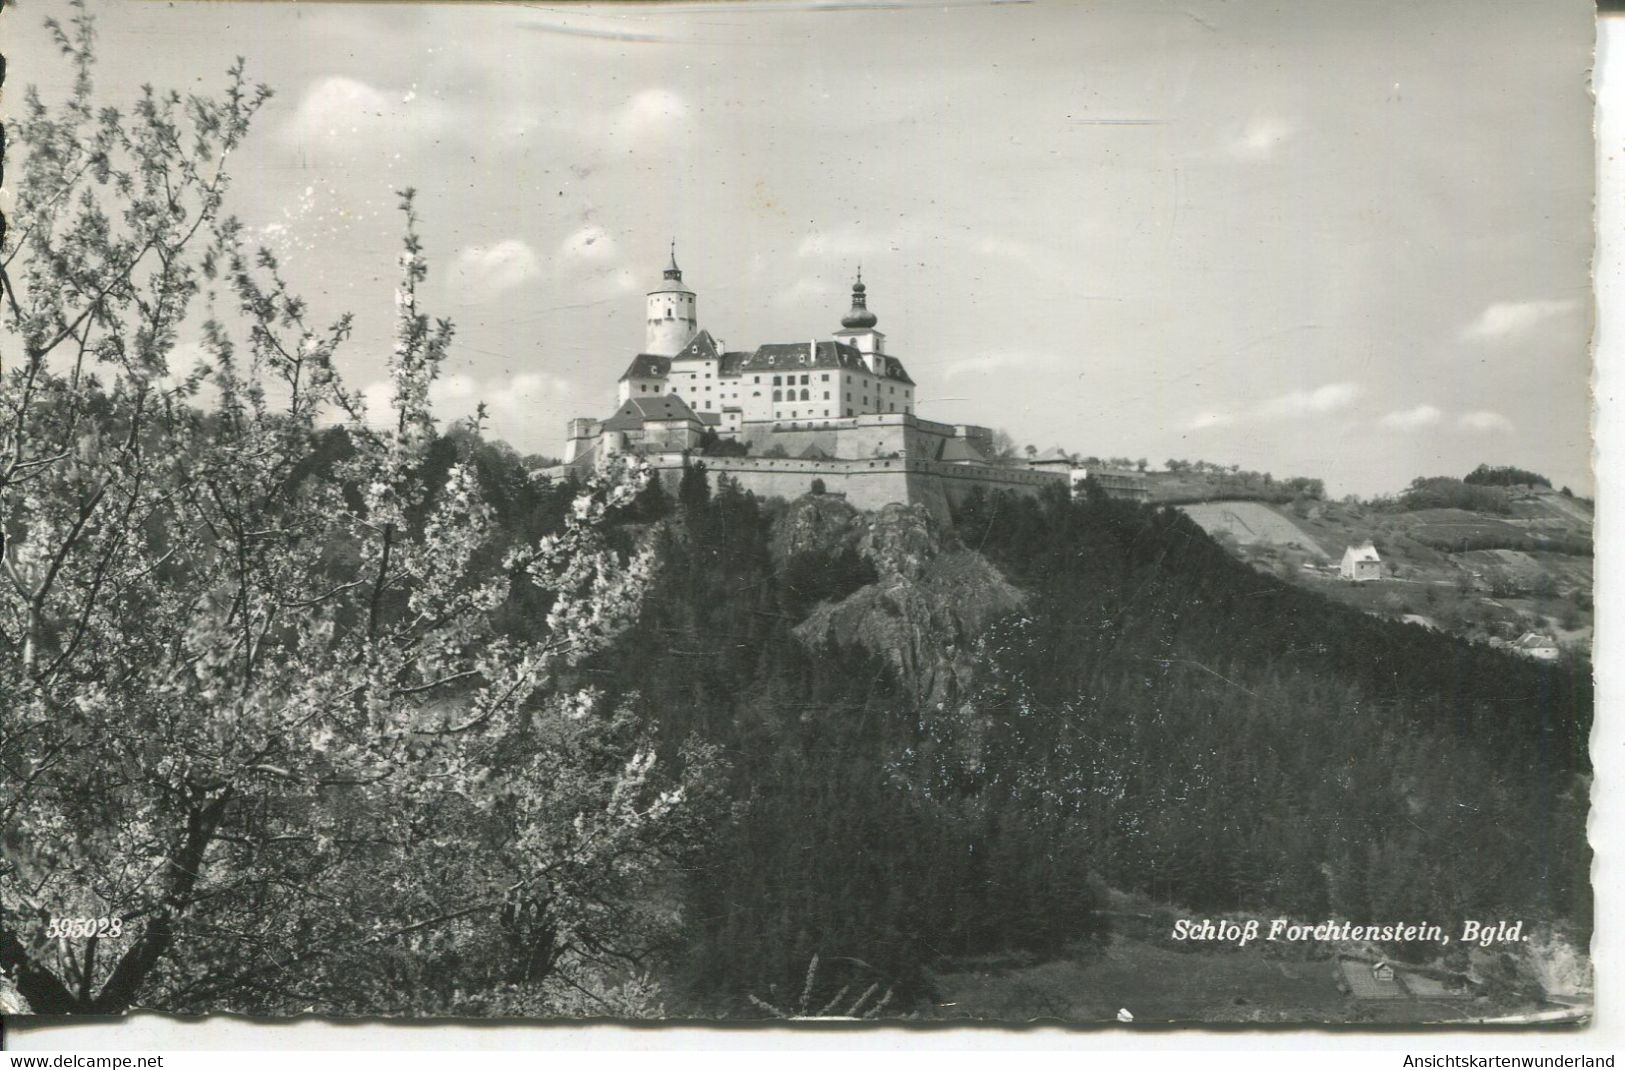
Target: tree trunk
x: 47, y: 994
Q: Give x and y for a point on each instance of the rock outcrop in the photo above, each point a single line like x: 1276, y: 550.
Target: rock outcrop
x: 931, y: 603
x: 816, y: 523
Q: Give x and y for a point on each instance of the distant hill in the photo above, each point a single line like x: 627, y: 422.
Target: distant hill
x: 1482, y: 575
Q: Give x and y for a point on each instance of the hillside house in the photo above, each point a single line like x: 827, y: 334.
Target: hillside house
x: 1361, y: 563
x: 1368, y: 980
x: 1537, y: 646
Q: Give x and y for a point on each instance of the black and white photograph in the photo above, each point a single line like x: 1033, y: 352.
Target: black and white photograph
x: 803, y: 515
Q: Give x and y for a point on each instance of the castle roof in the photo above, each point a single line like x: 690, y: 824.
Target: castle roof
x: 647, y: 366
x: 701, y: 347
x: 1366, y: 552
x: 892, y: 368
x: 1534, y: 641
x: 960, y: 451
x: 731, y: 363
x: 783, y: 356
x: 672, y: 278
x: 658, y: 408
x: 1053, y: 455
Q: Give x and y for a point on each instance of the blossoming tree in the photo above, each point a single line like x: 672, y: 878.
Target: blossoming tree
x: 263, y: 746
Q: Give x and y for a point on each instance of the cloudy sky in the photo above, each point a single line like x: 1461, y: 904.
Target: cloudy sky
x: 1343, y: 240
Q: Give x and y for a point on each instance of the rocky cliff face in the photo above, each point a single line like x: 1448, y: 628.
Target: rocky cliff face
x: 816, y: 523
x: 932, y: 601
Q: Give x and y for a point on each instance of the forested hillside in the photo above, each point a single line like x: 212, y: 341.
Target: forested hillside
x: 1156, y: 717
x: 934, y: 744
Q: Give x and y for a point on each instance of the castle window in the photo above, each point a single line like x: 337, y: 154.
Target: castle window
x: 776, y: 383
x: 826, y: 411
x: 804, y: 395
x: 849, y: 409
x: 826, y: 395
x: 826, y: 377
x: 776, y: 395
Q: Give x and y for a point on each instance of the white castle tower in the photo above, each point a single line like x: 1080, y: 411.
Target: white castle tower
x: 672, y: 317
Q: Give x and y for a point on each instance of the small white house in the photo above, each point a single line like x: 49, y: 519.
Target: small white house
x: 1361, y: 563
x: 1537, y: 646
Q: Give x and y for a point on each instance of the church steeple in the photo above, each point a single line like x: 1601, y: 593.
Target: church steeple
x: 860, y: 318
x: 858, y: 327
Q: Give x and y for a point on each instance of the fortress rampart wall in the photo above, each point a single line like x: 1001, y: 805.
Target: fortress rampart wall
x: 866, y: 484
x: 855, y: 438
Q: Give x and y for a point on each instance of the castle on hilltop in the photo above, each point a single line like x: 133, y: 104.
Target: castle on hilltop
x: 837, y: 412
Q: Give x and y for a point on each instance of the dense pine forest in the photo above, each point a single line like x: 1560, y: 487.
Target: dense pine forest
x: 1156, y: 719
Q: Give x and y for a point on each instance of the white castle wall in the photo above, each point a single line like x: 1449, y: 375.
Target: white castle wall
x: 866, y: 485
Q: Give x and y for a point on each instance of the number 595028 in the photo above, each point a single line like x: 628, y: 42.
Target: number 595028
x: 82, y: 928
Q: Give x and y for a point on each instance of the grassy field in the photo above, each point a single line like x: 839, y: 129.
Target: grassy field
x: 1254, y: 523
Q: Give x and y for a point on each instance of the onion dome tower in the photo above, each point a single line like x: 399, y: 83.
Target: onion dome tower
x: 860, y: 318
x: 858, y: 325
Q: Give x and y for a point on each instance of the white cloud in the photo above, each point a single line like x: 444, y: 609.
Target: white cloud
x: 847, y: 243
x: 185, y: 358
x: 480, y: 272
x: 376, y: 396
x: 1204, y: 420
x: 993, y: 362
x: 510, y: 403
x: 591, y: 242
x: 1484, y: 420
x: 652, y: 113
x: 338, y: 110
x: 1033, y: 257
x: 1514, y: 317
x: 1323, y: 399
x: 807, y: 291
x: 1421, y: 416
x: 1262, y: 136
